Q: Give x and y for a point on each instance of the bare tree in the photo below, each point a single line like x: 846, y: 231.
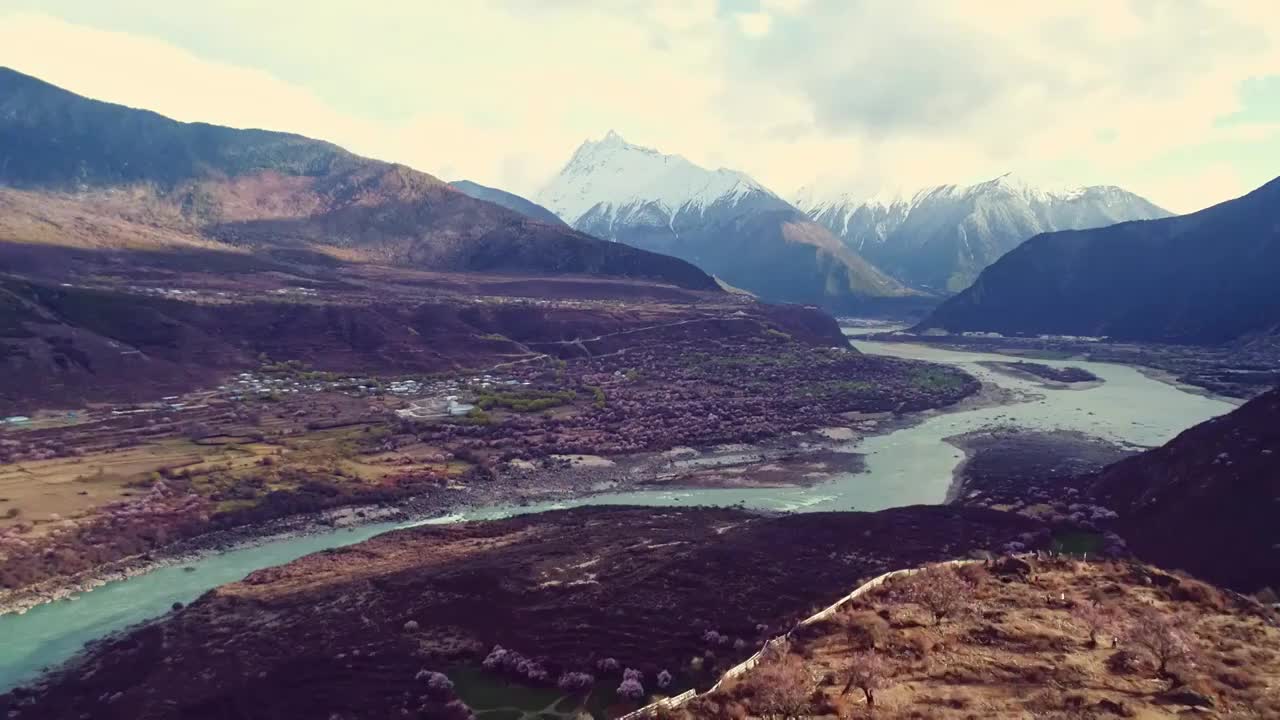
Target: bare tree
x: 940, y: 590
x: 1095, y: 618
x: 1161, y: 636
x: 781, y: 687
x: 868, y: 672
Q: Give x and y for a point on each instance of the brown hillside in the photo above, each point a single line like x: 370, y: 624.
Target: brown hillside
x: 1015, y: 643
x: 84, y: 173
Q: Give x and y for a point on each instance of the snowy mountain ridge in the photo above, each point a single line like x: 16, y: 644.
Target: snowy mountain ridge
x: 622, y: 177
x: 941, y: 237
x: 810, y: 198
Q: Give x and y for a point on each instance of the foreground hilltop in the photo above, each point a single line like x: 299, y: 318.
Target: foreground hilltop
x: 78, y: 173
x: 1017, y: 639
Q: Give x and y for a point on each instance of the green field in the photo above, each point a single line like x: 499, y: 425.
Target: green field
x: 495, y: 698
x: 1078, y: 543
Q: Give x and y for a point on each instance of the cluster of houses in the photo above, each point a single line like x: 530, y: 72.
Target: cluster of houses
x: 250, y: 386
x: 177, y: 292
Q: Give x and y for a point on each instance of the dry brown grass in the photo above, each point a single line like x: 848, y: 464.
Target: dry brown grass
x: 52, y: 493
x: 1022, y: 650
x: 124, y: 218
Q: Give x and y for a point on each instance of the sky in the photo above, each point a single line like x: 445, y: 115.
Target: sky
x: 1177, y: 100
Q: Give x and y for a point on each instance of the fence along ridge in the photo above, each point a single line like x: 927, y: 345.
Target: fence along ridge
x: 676, y: 701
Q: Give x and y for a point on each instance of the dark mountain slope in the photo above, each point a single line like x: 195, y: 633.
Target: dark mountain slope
x: 1204, y: 278
x: 263, y: 190
x: 777, y: 255
x: 1208, y: 501
x: 173, y: 330
x: 510, y: 201
x: 54, y: 139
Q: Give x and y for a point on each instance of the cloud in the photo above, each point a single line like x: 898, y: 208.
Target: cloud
x: 858, y: 93
x: 789, y: 7
x: 1093, y: 90
x: 146, y: 73
x: 754, y: 24
x: 483, y: 93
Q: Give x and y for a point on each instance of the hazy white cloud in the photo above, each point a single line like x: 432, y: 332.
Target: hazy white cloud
x: 754, y: 24
x: 783, y: 6
x: 865, y: 93
x: 148, y: 73
x: 1093, y: 91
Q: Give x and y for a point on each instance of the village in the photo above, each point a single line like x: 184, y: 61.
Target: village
x: 285, y: 439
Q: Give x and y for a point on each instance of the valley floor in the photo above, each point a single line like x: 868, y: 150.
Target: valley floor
x: 112, y: 488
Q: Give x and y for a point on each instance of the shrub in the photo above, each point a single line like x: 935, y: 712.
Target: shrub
x: 1192, y: 591
x: 437, y: 683
x: 598, y: 397
x: 865, y: 630
x: 576, y: 681
x: 510, y: 661
x: 631, y: 689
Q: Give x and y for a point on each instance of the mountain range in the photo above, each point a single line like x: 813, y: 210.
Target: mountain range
x: 87, y: 174
x: 939, y: 238
x: 106, y: 180
x: 1204, y: 278
x: 721, y: 220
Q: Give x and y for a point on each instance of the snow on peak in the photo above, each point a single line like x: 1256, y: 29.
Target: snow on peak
x: 1018, y: 185
x: 616, y: 173
x: 810, y: 200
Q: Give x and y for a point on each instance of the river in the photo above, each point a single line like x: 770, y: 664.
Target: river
x: 905, y: 467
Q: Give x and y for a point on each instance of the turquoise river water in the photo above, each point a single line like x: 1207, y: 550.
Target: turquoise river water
x: 905, y: 467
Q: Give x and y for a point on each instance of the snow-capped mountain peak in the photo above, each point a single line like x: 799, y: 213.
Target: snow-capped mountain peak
x: 616, y: 174
x: 721, y: 220
x: 940, y: 237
